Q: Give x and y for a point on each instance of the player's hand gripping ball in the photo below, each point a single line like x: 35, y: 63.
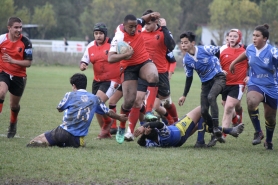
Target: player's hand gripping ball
x: 123, y: 47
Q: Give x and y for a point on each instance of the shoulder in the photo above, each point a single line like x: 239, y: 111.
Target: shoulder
x: 3, y: 37
x: 222, y: 48
x: 26, y: 41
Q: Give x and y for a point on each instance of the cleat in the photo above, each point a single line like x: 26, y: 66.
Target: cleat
x: 214, y: 139
x: 149, y: 117
x: 37, y: 144
x: 200, y: 144
x: 217, y: 132
x: 258, y: 136
x: 129, y: 136
x: 120, y: 136
x: 268, y: 146
x: 113, y: 131
x: 12, y: 130
x: 237, y: 130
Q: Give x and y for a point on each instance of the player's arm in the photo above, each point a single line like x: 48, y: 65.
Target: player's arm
x: 240, y: 58
x: 148, y: 17
x: 63, y: 103
x: 120, y: 117
x: 113, y: 56
x: 168, y: 39
x: 24, y: 63
x: 83, y: 65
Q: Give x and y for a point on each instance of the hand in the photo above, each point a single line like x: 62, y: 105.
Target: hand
x: 156, y: 15
x: 232, y: 68
x: 7, y: 58
x: 170, y: 75
x: 246, y: 79
x: 123, y: 117
x: 181, y: 100
x: 83, y: 66
x: 140, y: 130
x: 129, y: 53
x: 162, y: 22
x: 225, y: 72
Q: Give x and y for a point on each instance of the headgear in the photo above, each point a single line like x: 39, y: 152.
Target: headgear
x: 101, y: 27
x: 239, y: 35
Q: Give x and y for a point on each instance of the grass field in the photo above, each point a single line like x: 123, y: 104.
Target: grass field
x: 107, y: 162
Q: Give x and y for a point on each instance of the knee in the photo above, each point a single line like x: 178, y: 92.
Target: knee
x: 271, y: 119
x: 153, y: 78
x: 211, y: 98
x: 15, y: 108
x: 251, y: 104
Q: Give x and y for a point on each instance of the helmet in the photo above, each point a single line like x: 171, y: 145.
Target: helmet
x: 101, y: 27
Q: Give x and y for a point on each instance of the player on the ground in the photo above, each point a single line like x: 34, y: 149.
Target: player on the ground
x: 202, y: 59
x: 15, y: 56
x: 106, y: 75
x: 134, y: 63
x: 157, y: 134
x: 262, y: 84
x: 79, y: 107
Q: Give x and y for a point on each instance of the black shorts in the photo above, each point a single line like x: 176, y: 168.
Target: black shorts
x: 132, y: 72
x: 62, y: 138
x: 107, y: 87
x: 234, y: 91
x: 15, y: 84
x: 142, y: 85
x: 163, y: 84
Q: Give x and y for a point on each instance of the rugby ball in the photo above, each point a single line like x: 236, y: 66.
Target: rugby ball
x: 122, y: 47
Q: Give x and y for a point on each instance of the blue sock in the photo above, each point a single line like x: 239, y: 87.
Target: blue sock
x: 201, y: 130
x: 226, y: 130
x: 142, y: 123
x: 269, y: 131
x: 254, y: 116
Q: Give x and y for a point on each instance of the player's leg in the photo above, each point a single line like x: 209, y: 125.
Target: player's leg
x: 149, y: 73
x: 171, y: 108
x: 270, y: 112
x: 39, y: 141
x: 4, y: 87
x: 254, y: 98
x: 16, y: 90
x: 112, y: 105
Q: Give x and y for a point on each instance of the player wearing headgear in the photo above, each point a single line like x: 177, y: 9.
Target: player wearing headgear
x: 106, y: 75
x: 262, y: 84
x: 235, y: 83
x: 135, y: 63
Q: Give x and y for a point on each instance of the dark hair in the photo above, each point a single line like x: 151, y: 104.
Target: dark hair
x: 190, y: 35
x: 12, y: 20
x: 130, y: 17
x: 101, y: 27
x: 79, y: 80
x: 153, y: 135
x: 263, y: 29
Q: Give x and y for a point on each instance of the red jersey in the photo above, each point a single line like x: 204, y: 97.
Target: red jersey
x: 136, y: 41
x: 227, y: 55
x: 98, y: 56
x: 154, y: 42
x: 18, y: 50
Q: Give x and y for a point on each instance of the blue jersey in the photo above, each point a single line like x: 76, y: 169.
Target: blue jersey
x: 263, y: 68
x: 80, y: 107
x: 205, y: 63
x: 167, y: 136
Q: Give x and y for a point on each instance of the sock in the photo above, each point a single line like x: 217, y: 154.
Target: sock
x: 254, y: 116
x: 114, y: 122
x: 107, y: 123
x: 1, y: 105
x: 165, y: 121
x: 269, y: 131
x: 172, y: 110
x: 13, y: 118
x: 239, y: 112
x: 169, y: 118
x: 201, y: 131
x: 215, y: 122
x: 126, y: 112
x: 235, y: 120
x: 226, y: 130
x: 133, y: 118
x: 151, y: 98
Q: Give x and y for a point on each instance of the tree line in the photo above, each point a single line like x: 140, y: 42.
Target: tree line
x: 74, y: 19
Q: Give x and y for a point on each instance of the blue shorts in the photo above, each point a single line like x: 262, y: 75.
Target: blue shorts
x: 273, y: 103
